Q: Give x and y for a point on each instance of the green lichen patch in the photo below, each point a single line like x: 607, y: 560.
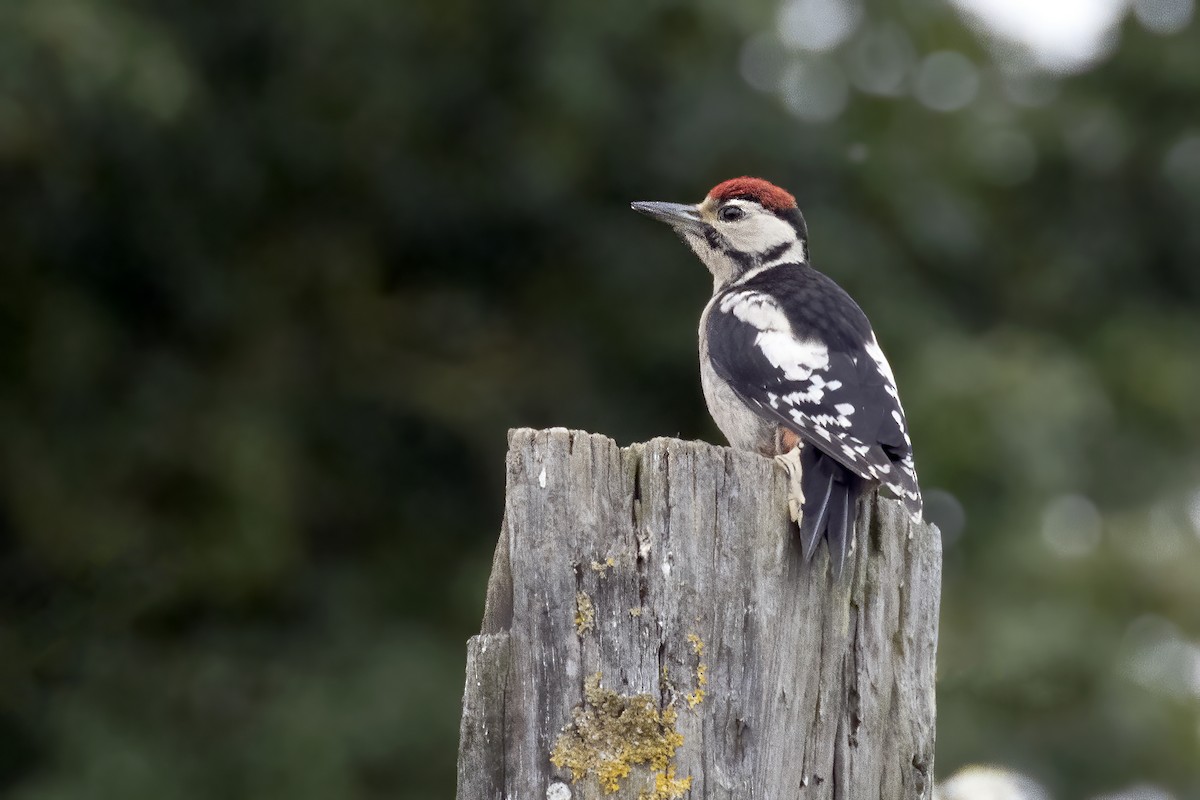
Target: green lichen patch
x: 611, y: 733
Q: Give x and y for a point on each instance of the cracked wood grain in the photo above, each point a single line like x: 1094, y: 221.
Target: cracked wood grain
x: 784, y: 682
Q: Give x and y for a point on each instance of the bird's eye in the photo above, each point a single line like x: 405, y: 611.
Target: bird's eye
x: 731, y: 214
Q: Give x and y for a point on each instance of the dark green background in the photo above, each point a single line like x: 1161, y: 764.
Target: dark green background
x: 278, y: 276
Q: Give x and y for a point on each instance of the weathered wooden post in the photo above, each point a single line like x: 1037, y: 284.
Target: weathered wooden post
x: 652, y: 632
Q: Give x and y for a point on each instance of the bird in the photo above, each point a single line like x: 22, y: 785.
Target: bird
x: 789, y: 364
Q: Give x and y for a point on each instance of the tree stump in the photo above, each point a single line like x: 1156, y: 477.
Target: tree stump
x: 652, y: 632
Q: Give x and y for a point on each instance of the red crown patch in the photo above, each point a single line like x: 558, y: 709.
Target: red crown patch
x: 765, y: 193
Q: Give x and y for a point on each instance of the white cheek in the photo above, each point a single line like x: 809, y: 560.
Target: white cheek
x: 759, y: 233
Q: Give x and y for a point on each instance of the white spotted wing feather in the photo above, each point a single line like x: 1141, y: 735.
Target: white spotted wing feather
x: 799, y: 352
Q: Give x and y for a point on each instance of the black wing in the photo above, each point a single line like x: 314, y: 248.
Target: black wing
x: 798, y: 350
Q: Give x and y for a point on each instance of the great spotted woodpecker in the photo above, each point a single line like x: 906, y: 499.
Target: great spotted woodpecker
x: 789, y: 364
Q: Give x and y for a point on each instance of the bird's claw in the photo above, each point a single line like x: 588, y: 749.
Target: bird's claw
x: 790, y: 461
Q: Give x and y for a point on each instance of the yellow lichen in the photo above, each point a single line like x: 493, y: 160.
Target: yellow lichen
x: 603, y: 569
x: 635, y: 612
x: 664, y: 682
x: 667, y: 786
x: 696, y: 697
x: 611, y: 733
x: 585, y: 613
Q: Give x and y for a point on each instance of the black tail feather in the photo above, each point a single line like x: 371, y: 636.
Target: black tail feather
x: 839, y: 532
x: 816, y: 481
x: 830, y: 506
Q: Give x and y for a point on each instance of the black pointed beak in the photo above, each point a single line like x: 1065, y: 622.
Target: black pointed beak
x: 680, y: 217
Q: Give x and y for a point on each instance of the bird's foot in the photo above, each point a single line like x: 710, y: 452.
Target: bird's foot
x: 790, y: 461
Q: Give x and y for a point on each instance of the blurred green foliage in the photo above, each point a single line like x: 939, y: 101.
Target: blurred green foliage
x: 277, y: 277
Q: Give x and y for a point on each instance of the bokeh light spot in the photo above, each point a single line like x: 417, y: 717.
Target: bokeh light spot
x: 1181, y: 165
x: 1097, y: 140
x: 858, y: 153
x: 991, y: 783
x: 762, y: 62
x: 881, y: 60
x: 946, y: 81
x: 1071, y: 526
x: 1064, y: 36
x: 1157, y: 656
x: 1164, y: 16
x: 818, y: 24
x: 1141, y: 791
x: 815, y: 90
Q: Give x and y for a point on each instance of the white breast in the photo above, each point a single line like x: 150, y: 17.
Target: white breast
x: 743, y: 428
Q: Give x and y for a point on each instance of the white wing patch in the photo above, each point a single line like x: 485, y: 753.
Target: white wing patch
x: 802, y: 361
x: 889, y: 385
x: 814, y: 393
x: 757, y: 309
x: 905, y: 465
x: 796, y: 359
x: 881, y: 363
